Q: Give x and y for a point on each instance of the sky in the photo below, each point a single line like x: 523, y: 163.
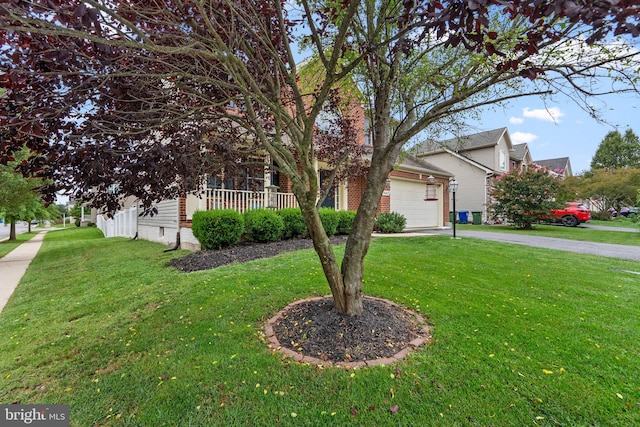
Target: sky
x: 562, y: 129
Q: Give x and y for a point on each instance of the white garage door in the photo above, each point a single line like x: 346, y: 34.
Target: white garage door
x: 407, y: 198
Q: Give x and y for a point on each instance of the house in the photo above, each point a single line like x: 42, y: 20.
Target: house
x: 560, y: 167
x: 416, y: 189
x: 474, y: 160
x: 520, y: 156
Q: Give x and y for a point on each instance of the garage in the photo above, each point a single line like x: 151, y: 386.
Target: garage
x: 407, y: 198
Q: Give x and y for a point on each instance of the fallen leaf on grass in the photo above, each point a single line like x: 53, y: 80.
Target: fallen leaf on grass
x: 394, y: 409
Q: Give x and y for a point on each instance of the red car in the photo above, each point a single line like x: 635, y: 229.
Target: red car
x: 572, y: 215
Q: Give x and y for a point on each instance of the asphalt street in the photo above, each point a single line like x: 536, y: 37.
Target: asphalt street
x: 21, y: 227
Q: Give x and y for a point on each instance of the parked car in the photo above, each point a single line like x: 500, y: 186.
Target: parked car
x: 572, y: 215
x: 623, y: 211
x: 628, y: 211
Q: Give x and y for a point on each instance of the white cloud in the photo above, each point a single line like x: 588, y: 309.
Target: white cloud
x: 523, y: 137
x: 516, y: 120
x: 552, y: 114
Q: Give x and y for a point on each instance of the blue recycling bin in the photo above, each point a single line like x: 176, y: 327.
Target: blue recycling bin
x: 463, y: 216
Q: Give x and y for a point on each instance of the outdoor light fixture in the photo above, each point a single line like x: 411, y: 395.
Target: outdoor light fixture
x: 453, y: 187
x: 432, y: 189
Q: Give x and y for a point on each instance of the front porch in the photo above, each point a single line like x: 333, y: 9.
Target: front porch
x: 238, y: 200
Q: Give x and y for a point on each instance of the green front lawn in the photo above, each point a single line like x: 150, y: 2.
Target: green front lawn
x: 561, y: 232
x: 616, y: 222
x: 521, y: 336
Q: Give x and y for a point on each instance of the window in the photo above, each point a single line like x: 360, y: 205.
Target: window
x: 503, y: 161
x: 367, y: 132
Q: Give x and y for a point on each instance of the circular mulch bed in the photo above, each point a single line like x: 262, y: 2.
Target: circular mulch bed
x: 312, y: 331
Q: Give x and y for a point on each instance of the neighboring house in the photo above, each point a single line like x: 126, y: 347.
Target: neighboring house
x: 560, y: 167
x: 520, y: 156
x: 474, y: 160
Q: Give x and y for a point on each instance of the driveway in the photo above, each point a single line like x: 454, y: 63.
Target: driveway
x: 601, y: 249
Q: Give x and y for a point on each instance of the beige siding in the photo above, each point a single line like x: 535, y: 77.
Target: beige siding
x: 161, y: 227
x: 167, y: 215
x: 471, y: 194
x: 485, y: 156
x: 490, y: 157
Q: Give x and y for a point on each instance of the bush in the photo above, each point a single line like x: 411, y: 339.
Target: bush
x: 524, y: 196
x: 78, y: 222
x: 294, y: 225
x: 217, y: 229
x: 263, y: 225
x: 601, y: 215
x: 91, y: 224
x: 330, y: 219
x: 390, y: 222
x: 345, y: 221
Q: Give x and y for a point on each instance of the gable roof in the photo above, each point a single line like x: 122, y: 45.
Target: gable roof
x: 414, y: 164
x: 466, y: 143
x: 519, y: 151
x: 560, y: 164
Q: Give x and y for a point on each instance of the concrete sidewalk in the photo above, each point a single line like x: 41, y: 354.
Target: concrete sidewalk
x: 15, y: 264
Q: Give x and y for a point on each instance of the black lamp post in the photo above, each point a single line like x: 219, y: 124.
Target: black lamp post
x: 453, y: 187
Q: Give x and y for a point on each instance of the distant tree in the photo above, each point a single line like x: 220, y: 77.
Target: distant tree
x: 615, y: 188
x: 19, y: 199
x: 617, y: 151
x: 524, y: 196
x: 76, y: 210
x: 569, y: 188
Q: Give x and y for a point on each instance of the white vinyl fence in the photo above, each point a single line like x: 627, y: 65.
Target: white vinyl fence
x: 123, y: 224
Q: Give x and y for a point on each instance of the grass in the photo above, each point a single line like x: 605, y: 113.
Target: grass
x: 6, y: 246
x: 521, y: 336
x: 571, y: 233
x: 616, y: 222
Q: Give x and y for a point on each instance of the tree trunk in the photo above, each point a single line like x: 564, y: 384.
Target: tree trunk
x: 360, y: 236
x: 324, y: 249
x: 346, y: 282
x: 12, y: 231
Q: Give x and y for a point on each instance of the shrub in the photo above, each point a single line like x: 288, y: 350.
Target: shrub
x: 390, y: 222
x: 524, y: 196
x: 601, y: 215
x: 78, y: 222
x: 345, y: 221
x: 330, y: 219
x: 294, y: 225
x: 91, y: 224
x: 217, y: 229
x: 263, y: 225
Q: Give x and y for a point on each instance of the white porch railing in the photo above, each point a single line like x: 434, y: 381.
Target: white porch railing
x: 241, y: 201
x: 123, y: 224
